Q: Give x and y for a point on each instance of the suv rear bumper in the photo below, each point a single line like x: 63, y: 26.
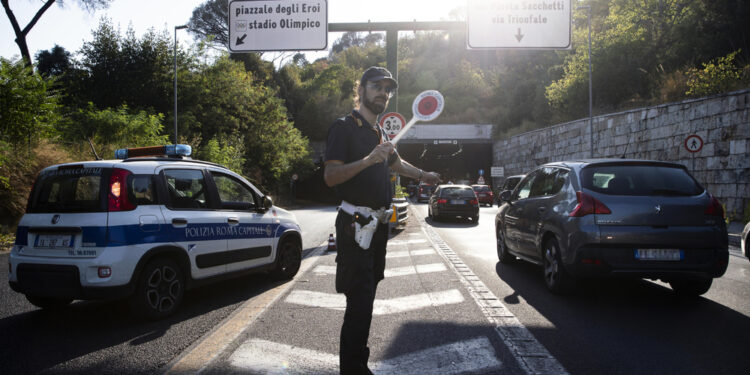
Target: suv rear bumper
x: 697, y: 263
x: 61, y: 281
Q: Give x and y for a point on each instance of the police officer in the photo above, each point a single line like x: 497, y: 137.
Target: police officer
x: 357, y: 163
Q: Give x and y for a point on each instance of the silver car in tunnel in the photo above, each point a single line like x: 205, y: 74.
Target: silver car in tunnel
x: 614, y: 217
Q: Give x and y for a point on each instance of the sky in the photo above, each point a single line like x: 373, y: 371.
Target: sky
x: 69, y: 26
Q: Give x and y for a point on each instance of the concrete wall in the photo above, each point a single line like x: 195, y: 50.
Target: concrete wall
x: 659, y: 133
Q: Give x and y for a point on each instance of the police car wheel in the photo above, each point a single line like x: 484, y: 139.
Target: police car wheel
x: 159, y: 290
x: 48, y: 303
x: 288, y: 260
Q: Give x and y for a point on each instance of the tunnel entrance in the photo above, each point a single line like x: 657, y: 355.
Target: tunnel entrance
x: 458, y: 161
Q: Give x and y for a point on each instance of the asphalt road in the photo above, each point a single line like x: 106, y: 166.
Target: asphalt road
x: 605, y: 327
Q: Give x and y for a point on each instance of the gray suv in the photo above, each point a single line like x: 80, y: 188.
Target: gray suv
x: 614, y: 217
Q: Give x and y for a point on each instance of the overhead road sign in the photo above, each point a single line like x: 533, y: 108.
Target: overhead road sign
x: 530, y: 24
x: 278, y: 25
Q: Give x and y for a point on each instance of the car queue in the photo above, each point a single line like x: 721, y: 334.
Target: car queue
x: 584, y: 219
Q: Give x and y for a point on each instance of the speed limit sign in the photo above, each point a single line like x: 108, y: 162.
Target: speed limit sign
x: 392, y: 123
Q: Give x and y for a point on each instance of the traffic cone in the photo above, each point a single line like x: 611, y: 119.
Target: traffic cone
x: 331, y: 243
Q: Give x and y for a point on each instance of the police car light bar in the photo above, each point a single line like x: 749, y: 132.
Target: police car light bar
x: 165, y: 150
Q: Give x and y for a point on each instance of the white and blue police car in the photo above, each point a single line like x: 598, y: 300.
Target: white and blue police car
x: 147, y: 226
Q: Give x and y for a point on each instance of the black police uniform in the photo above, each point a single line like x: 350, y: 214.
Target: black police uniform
x: 358, y: 271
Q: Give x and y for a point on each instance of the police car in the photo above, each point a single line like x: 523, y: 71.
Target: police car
x: 146, y: 227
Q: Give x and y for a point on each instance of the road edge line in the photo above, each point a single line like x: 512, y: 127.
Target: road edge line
x: 203, y: 352
x: 530, y: 354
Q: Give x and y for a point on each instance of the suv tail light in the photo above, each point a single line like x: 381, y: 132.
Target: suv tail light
x: 118, y: 191
x: 588, y: 205
x: 442, y: 201
x: 714, y: 208
x: 474, y: 202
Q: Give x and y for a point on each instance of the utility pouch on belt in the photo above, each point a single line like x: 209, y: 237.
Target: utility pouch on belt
x: 365, y: 222
x: 364, y: 229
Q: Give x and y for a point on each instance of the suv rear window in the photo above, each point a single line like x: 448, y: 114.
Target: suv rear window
x: 646, y: 179
x: 68, y: 189
x: 457, y: 192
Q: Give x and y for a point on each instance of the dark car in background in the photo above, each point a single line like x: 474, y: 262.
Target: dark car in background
x: 424, y: 191
x: 453, y: 201
x: 615, y: 217
x: 484, y: 194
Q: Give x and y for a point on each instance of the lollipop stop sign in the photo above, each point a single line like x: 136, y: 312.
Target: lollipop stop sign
x: 426, y: 107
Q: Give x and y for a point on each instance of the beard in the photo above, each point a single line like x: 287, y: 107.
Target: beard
x: 374, y: 107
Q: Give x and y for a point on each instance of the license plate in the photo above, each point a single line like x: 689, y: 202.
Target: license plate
x: 54, y: 241
x: 659, y: 254
x: 457, y: 201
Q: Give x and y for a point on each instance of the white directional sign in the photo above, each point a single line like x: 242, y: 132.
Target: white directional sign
x: 533, y: 24
x: 278, y: 25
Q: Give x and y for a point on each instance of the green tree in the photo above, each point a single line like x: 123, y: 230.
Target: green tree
x: 21, y: 33
x: 116, y: 70
x: 717, y: 76
x: 28, y: 107
x: 225, y: 102
x: 53, y: 63
x: 209, y: 22
x: 109, y: 129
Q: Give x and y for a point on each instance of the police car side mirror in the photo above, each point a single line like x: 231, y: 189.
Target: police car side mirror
x: 267, y: 203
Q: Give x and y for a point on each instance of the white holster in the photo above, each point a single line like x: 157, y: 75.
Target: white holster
x: 365, y: 221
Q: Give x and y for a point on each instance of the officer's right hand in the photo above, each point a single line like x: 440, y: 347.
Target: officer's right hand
x: 379, y: 153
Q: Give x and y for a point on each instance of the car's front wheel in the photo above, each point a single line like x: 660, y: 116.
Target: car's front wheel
x: 502, y: 249
x: 691, y: 288
x: 48, y: 303
x: 160, y: 289
x: 558, y: 280
x: 288, y: 260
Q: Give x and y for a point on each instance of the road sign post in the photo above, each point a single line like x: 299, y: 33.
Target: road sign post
x: 518, y: 24
x: 278, y: 25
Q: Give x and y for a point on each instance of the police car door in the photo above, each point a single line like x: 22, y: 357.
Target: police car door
x: 194, y: 220
x: 250, y: 231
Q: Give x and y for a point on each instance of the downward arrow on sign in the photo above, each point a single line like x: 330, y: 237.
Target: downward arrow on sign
x: 519, y: 36
x: 241, y: 39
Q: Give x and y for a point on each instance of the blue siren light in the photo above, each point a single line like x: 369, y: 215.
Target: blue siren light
x: 166, y: 150
x: 178, y: 150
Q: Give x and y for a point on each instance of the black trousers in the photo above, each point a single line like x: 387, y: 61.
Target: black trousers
x: 358, y: 272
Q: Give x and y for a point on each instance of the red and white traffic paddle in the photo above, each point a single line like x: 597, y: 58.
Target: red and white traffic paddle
x: 426, y: 107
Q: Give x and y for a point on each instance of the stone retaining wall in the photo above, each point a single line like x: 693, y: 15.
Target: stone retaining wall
x: 659, y: 133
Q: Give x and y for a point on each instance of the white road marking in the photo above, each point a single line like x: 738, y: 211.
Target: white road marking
x: 381, y: 306
x: 403, y: 254
x: 391, y: 272
x: 531, y: 355
x: 267, y: 357
x: 470, y: 356
x: 406, y: 242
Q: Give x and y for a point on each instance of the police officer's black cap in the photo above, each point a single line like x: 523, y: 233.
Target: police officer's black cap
x: 375, y: 74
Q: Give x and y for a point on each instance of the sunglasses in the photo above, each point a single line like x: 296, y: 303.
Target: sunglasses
x: 388, y: 89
